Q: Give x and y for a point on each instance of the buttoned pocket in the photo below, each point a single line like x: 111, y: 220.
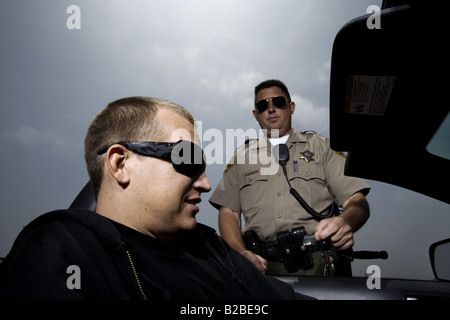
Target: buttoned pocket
x: 253, y: 186
x: 309, y: 181
x: 306, y: 171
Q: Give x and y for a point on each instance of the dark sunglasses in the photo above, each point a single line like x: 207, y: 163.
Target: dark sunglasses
x: 278, y: 101
x: 187, y: 157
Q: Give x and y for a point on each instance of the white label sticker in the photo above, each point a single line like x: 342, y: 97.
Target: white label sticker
x: 368, y: 95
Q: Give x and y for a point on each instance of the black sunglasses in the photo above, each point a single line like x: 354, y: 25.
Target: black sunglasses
x: 278, y: 101
x: 187, y: 157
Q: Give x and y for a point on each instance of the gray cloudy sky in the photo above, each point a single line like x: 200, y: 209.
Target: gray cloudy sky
x: 206, y: 55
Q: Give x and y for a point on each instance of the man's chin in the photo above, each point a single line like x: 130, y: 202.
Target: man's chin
x: 189, y: 226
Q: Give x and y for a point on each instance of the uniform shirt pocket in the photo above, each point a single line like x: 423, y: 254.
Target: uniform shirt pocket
x: 309, y: 181
x: 252, y: 188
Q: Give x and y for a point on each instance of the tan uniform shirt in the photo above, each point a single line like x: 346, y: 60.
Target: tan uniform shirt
x: 263, y: 196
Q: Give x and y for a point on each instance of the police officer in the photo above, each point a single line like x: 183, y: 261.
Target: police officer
x: 313, y: 169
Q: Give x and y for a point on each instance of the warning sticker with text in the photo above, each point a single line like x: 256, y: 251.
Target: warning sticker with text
x: 368, y: 95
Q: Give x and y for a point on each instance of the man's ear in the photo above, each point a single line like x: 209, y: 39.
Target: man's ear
x: 116, y: 158
x: 292, y: 107
x: 255, y: 114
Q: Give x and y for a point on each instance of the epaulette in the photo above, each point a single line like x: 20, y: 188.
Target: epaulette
x: 247, y: 142
x: 308, y: 131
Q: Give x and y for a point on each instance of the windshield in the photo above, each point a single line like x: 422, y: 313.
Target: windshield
x: 440, y: 142
x: 405, y: 224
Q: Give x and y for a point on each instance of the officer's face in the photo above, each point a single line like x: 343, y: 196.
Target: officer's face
x: 273, y: 117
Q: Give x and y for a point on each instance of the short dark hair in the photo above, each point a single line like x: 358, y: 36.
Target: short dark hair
x: 273, y: 83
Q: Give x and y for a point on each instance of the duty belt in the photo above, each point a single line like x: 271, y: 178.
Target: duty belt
x: 293, y: 248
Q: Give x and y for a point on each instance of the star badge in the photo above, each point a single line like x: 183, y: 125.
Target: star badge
x: 307, y: 155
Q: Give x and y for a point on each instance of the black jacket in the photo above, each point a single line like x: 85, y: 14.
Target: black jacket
x: 37, y: 265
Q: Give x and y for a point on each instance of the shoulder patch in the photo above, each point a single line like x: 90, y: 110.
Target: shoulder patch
x: 340, y: 153
x: 229, y: 165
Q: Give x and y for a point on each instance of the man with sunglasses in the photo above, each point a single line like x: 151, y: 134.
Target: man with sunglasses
x: 281, y: 215
x: 143, y: 241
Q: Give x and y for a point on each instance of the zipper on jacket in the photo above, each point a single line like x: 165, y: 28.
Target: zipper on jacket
x: 136, y: 276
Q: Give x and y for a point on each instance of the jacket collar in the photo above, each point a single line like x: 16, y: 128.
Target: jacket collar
x: 102, y: 227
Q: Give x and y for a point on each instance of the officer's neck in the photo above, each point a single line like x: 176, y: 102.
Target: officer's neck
x: 277, y: 134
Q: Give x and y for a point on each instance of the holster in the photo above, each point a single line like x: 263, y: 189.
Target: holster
x: 252, y: 242
x: 288, y: 249
x: 306, y: 260
x: 292, y: 252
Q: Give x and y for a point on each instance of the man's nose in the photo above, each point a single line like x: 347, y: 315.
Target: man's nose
x: 202, y: 184
x: 271, y: 107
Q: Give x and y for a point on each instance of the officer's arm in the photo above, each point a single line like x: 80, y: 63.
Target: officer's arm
x: 229, y: 228
x: 339, y: 230
x: 231, y: 232
x: 356, y: 211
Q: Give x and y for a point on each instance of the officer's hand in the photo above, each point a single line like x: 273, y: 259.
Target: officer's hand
x: 337, y: 230
x: 257, y: 260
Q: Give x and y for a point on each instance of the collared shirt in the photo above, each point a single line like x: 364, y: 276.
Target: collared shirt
x: 254, y: 183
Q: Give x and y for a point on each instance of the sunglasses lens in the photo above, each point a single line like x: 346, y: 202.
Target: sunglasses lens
x: 191, y: 170
x: 188, y: 159
x: 279, y: 102
x: 262, y: 105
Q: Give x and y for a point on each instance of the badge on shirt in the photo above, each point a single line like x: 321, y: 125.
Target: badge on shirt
x: 307, y: 155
